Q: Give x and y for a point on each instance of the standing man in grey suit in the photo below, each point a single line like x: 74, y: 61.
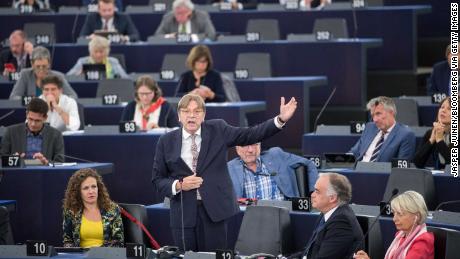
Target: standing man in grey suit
x: 190, y: 167
x: 34, y: 139
x: 184, y: 19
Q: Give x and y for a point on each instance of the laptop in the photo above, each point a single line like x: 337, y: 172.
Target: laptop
x: 339, y: 160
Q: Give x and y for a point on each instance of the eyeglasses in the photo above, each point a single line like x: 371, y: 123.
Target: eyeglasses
x: 145, y: 94
x: 190, y: 113
x: 41, y: 67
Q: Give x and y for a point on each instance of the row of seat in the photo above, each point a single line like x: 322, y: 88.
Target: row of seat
x: 266, y: 29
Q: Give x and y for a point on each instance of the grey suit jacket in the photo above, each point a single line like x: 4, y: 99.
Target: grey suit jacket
x: 15, y: 140
x: 26, y: 84
x: 117, y: 69
x: 200, y: 21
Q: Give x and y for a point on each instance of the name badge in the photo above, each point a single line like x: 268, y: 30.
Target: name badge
x: 315, y: 159
x: 252, y: 36
x: 167, y: 74
x: 357, y: 127
x: 11, y: 161
x: 36, y: 248
x: 110, y: 99
x: 183, y: 38
x: 242, y: 73
x: 128, y: 127
x: 301, y: 204
x: 400, y: 163
x: 134, y: 250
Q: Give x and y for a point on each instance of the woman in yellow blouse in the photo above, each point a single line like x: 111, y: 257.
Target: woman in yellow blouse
x: 90, y: 217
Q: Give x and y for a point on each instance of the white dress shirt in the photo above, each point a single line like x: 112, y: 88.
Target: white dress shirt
x: 367, y: 156
x: 69, y: 106
x: 328, y: 214
x: 154, y: 117
x: 109, y: 22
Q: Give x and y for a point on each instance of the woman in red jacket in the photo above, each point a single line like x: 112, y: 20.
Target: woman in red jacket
x: 412, y: 240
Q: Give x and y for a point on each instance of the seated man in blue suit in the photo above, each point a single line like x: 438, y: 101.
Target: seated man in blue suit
x: 439, y: 81
x: 384, y: 138
x: 107, y: 19
x: 267, y: 176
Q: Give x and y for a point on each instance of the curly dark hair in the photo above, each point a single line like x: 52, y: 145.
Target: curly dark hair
x: 72, y: 198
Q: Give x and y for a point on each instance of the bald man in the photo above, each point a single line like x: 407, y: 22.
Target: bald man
x: 17, y: 56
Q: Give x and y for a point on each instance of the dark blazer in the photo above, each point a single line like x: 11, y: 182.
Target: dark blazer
x: 217, y: 192
x: 426, y: 149
x: 340, y: 236
x: 199, y: 20
x: 7, y: 57
x: 121, y: 22
x: 439, y: 81
x: 15, y: 140
x: 212, y: 79
x: 168, y: 116
x: 399, y: 144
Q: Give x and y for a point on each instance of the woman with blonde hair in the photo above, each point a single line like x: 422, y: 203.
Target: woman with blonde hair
x: 412, y: 240
x: 91, y: 218
x: 99, y: 51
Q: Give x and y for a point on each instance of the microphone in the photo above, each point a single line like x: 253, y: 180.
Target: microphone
x: 6, y: 115
x: 74, y: 26
x: 393, y: 194
x: 446, y: 203
x: 323, y: 108
x: 52, y: 162
x: 355, y: 20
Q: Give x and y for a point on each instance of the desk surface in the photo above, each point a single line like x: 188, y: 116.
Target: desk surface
x: 38, y: 192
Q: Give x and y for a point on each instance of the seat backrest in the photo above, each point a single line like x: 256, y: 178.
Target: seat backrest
x: 440, y: 241
x: 81, y: 115
x: 6, y: 237
x: 268, y: 29
x: 40, y: 29
x: 452, y: 247
x: 160, y: 39
x: 264, y: 230
x: 133, y: 233
x: 130, y: 9
x: 270, y: 7
x: 9, y: 11
x: 373, y: 243
x: 301, y: 37
x: 124, y: 88
x: 231, y: 38
x: 419, y: 180
x: 175, y: 62
x: 335, y: 26
x: 231, y: 93
x: 257, y: 64
x: 168, y: 3
x: 302, y: 180
x: 407, y: 111
x: 66, y: 9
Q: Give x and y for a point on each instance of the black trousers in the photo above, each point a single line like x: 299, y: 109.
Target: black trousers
x: 206, y: 236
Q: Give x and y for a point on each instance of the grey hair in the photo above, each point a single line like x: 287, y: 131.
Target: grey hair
x: 186, y: 99
x: 40, y: 52
x: 338, y: 185
x: 99, y: 42
x: 411, y: 202
x: 186, y: 3
x: 387, y: 102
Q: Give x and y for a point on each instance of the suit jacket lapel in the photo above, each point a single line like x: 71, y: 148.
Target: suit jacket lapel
x: 23, y: 139
x: 390, y: 138
x: 375, y: 131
